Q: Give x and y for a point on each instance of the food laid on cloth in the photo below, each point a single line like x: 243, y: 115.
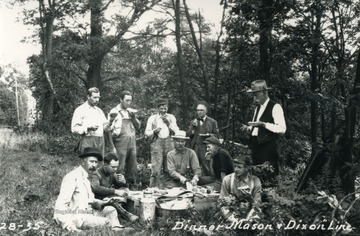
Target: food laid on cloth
x: 176, y: 199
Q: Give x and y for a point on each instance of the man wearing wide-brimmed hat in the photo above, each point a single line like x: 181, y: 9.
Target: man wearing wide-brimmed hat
x: 182, y: 163
x: 159, y: 128
x: 76, y: 207
x: 267, y: 123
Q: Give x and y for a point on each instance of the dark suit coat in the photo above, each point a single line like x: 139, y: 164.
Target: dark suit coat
x: 209, y: 126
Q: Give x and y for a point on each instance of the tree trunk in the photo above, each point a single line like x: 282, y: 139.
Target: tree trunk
x: 96, y: 54
x: 217, y: 63
x: 199, y: 53
x: 47, y: 17
x: 314, y: 74
x: 265, y: 16
x: 183, y: 88
x: 350, y: 123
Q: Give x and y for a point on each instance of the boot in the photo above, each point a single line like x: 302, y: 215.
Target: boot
x: 124, y: 213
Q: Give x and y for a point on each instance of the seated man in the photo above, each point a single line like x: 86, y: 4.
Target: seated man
x: 182, y: 163
x: 76, y: 207
x: 221, y: 163
x: 240, y: 194
x: 104, y: 183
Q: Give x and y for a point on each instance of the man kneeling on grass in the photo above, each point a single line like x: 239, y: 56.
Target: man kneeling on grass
x: 240, y: 195
x: 76, y: 207
x: 105, y: 183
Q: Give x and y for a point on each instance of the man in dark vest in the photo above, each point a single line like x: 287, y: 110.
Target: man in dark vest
x: 267, y: 123
x: 201, y: 128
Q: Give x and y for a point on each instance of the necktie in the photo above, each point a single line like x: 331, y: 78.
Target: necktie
x: 201, y: 120
x: 255, y: 117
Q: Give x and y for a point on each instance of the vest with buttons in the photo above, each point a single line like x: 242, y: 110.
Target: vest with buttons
x: 265, y: 135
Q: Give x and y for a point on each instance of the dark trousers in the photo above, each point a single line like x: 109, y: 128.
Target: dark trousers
x: 265, y: 152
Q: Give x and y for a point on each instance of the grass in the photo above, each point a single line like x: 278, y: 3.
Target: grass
x: 30, y: 179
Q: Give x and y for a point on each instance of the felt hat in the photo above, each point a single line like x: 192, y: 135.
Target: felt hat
x: 180, y: 134
x: 91, y: 152
x: 257, y: 86
x: 212, y: 140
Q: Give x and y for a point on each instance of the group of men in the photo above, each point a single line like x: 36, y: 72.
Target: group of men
x: 177, y: 157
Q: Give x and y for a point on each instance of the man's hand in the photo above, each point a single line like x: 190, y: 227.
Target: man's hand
x: 245, y: 128
x: 92, y: 128
x: 227, y: 200
x: 194, y: 123
x: 121, y: 193
x: 193, y: 182
x: 112, y: 117
x: 166, y: 121
x: 157, y: 131
x: 120, y: 178
x: 183, y: 179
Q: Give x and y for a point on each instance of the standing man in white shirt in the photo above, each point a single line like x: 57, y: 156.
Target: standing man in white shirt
x: 89, y: 121
x: 268, y: 122
x: 159, y: 129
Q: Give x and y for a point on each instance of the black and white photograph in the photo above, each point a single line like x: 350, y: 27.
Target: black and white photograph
x: 180, y: 117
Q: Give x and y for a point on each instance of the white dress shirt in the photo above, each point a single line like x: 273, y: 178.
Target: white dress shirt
x: 155, y: 121
x: 86, y: 116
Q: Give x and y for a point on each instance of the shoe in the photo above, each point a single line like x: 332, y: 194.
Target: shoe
x: 124, y: 213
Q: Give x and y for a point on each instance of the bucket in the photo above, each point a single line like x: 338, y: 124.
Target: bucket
x: 147, y: 210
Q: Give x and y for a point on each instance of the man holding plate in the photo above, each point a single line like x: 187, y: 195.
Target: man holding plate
x: 268, y: 122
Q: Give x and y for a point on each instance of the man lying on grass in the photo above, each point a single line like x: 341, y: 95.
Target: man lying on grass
x: 76, y: 207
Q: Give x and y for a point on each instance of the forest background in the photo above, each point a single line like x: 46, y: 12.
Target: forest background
x: 307, y: 51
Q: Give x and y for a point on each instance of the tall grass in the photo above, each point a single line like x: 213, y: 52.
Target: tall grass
x: 30, y: 181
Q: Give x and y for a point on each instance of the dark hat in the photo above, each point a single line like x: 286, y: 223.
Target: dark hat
x: 161, y: 102
x: 257, y: 86
x: 242, y: 160
x: 212, y: 140
x: 91, y: 152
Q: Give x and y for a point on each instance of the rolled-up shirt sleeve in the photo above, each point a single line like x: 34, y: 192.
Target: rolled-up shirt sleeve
x: 77, y: 124
x: 149, y: 129
x: 279, y: 126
